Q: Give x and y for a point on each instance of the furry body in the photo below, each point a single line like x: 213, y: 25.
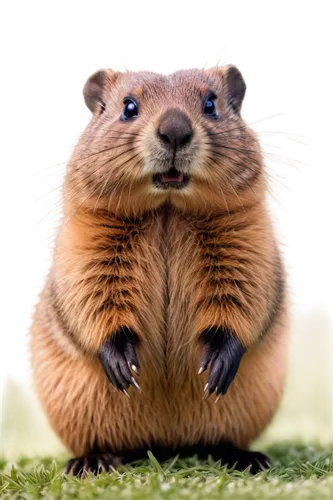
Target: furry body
x: 168, y: 272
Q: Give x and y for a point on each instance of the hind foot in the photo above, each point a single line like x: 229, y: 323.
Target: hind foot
x: 241, y: 459
x: 95, y: 462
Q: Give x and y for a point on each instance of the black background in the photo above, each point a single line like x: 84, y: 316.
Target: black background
x: 281, y: 77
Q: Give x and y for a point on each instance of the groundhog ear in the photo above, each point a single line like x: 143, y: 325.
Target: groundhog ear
x: 235, y: 88
x: 97, y: 87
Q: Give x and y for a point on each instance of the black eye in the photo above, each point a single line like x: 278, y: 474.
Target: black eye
x: 131, y: 109
x: 209, y: 106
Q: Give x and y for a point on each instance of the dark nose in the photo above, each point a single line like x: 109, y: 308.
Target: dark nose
x: 175, y: 128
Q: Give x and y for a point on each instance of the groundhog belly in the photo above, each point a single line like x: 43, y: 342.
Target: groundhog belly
x: 86, y: 411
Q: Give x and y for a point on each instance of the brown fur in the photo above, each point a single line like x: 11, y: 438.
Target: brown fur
x: 167, y: 265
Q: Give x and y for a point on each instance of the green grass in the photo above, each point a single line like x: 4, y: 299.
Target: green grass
x: 299, y: 472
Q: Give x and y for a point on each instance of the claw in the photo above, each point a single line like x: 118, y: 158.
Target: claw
x: 218, y: 397
x: 126, y: 393
x: 207, y: 391
x: 260, y: 465
x: 134, y: 368
x: 135, y: 384
x: 201, y: 370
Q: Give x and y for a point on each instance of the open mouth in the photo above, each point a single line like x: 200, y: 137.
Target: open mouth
x: 171, y: 178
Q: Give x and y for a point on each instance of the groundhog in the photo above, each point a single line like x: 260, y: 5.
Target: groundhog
x: 163, y: 323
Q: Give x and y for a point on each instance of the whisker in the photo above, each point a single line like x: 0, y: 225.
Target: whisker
x: 283, y: 159
x: 40, y: 219
x: 85, y: 180
x: 238, y: 150
x: 294, y: 135
x: 289, y: 160
x: 122, y: 135
x: 47, y: 168
x: 224, y: 156
x: 90, y: 174
x: 266, y: 119
x: 274, y: 131
x: 121, y: 181
x: 134, y: 134
x: 249, y: 167
x: 289, y: 163
x: 227, y: 131
x: 45, y: 194
x: 77, y: 209
x: 47, y: 176
x: 270, y: 145
x: 220, y: 59
x: 275, y: 158
x: 284, y: 180
x: 252, y: 189
x: 119, y: 167
x: 110, y: 139
x: 235, y: 161
x: 107, y: 149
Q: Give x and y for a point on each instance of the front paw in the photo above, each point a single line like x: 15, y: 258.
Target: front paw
x: 222, y: 353
x: 118, y: 358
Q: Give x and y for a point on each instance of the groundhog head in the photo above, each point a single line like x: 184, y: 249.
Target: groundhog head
x: 154, y: 139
